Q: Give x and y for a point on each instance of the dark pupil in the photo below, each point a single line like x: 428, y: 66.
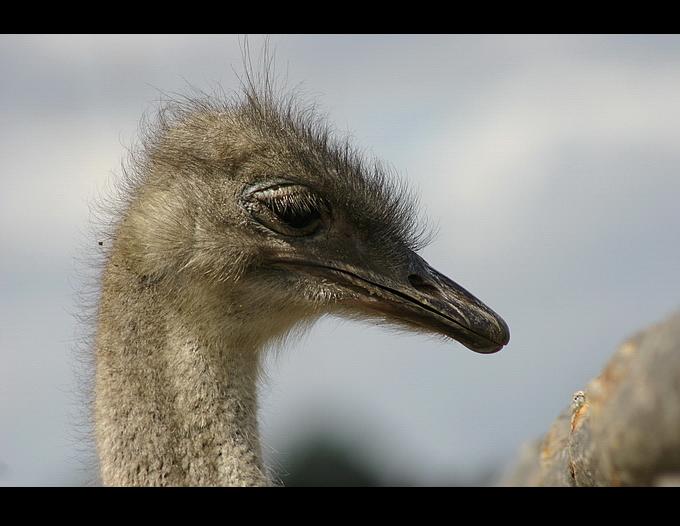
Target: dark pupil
x: 297, y: 218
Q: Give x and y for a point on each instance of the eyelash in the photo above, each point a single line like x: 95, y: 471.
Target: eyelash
x: 286, y: 203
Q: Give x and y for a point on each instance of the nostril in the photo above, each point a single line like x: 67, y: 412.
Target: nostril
x: 421, y: 285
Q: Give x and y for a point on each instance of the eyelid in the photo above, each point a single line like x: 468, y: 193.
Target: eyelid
x: 281, y: 192
x: 278, y: 190
x: 272, y: 187
x: 290, y: 193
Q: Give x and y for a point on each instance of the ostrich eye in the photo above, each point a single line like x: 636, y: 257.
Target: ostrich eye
x: 289, y: 209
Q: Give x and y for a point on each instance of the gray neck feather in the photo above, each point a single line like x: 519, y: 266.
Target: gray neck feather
x: 175, y: 400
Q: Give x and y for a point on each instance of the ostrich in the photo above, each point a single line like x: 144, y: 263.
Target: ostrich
x: 245, y: 218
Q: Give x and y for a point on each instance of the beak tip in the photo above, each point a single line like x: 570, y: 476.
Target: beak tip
x: 505, y: 331
x: 498, y: 338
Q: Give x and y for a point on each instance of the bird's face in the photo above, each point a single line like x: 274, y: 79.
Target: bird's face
x: 306, y: 228
x: 337, y: 246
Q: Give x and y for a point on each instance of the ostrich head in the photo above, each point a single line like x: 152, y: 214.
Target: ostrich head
x: 255, y: 213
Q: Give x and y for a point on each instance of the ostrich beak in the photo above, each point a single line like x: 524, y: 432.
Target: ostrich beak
x: 429, y: 299
x: 420, y: 297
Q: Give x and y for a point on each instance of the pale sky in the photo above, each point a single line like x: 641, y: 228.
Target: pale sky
x: 550, y: 165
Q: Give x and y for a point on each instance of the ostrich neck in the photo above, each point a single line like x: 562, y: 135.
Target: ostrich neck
x: 175, y: 396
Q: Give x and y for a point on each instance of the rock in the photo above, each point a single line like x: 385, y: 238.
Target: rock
x: 623, y: 428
